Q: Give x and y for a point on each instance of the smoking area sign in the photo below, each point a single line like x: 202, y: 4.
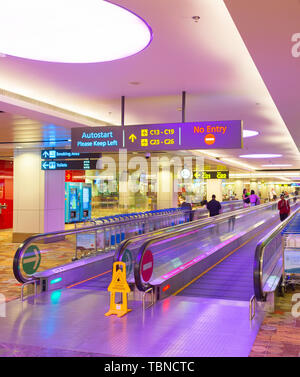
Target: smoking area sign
x: 159, y: 137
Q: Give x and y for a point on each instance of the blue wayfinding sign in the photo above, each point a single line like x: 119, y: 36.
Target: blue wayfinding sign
x: 71, y: 165
x: 54, y: 154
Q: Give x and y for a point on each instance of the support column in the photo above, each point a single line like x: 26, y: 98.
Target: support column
x: 239, y: 189
x: 39, y: 197
x: 166, y: 197
x: 214, y: 186
x: 254, y: 186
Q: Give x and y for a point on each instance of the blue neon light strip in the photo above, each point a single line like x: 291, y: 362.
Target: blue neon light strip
x: 57, y: 280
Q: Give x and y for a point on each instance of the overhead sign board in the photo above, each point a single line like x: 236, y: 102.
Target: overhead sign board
x: 221, y: 174
x: 159, y: 137
x: 60, y: 154
x: 70, y: 165
x: 97, y: 139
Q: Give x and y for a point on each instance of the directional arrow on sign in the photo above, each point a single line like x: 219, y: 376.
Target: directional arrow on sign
x: 46, y: 154
x: 132, y: 138
x: 45, y: 165
x: 197, y: 175
x: 35, y: 259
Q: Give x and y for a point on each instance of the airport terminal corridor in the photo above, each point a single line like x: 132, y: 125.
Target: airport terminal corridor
x: 149, y: 180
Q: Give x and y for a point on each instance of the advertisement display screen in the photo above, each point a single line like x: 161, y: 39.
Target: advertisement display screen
x: 85, y: 198
x: 292, y: 261
x: 73, y: 199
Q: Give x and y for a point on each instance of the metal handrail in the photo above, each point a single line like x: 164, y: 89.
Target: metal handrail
x: 34, y: 282
x: 196, y: 225
x: 23, y: 246
x: 123, y: 246
x: 259, y: 256
x: 144, y: 297
x: 252, y: 308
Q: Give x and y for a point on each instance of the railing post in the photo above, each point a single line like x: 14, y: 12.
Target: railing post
x: 252, y: 308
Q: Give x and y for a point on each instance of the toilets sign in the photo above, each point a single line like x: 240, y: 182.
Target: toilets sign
x: 159, y: 137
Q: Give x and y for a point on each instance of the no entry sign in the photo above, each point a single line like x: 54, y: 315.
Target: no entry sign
x: 147, y: 266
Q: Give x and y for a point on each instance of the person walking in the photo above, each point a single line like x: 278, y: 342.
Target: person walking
x: 274, y: 194
x: 213, y: 207
x: 246, y: 198
x: 187, y: 207
x: 254, y: 199
x: 295, y: 196
x: 283, y: 207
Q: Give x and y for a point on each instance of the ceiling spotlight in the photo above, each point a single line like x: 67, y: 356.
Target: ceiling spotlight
x: 134, y: 83
x: 196, y: 18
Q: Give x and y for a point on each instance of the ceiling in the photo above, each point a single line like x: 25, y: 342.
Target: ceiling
x: 209, y: 59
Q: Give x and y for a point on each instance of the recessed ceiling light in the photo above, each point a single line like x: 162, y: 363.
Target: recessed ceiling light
x: 276, y: 165
x: 196, y: 18
x: 260, y: 155
x: 71, y: 31
x: 249, y: 133
x: 134, y: 83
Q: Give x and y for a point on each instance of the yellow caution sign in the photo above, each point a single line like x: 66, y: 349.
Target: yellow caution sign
x: 118, y: 285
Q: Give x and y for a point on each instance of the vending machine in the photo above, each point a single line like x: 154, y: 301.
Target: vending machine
x: 85, y: 201
x: 72, y: 202
x: 78, y: 201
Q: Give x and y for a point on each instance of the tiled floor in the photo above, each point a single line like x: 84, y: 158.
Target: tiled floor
x: 9, y: 287
x: 74, y: 320
x: 279, y: 334
x: 14, y: 350
x: 61, y: 252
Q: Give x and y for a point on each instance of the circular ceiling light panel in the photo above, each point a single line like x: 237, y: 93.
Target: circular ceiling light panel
x: 249, y: 133
x: 261, y: 155
x: 70, y: 31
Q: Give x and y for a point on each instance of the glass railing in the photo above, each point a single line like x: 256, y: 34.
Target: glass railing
x: 52, y: 250
x: 267, y: 255
x: 179, y: 249
x: 230, y: 206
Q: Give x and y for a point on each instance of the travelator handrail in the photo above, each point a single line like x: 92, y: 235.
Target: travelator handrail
x: 75, y: 231
x: 181, y: 233
x: 260, y: 250
x: 127, y: 243
x: 177, y: 230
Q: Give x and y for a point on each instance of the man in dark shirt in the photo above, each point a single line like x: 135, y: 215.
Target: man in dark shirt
x: 213, y: 207
x: 186, y: 207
